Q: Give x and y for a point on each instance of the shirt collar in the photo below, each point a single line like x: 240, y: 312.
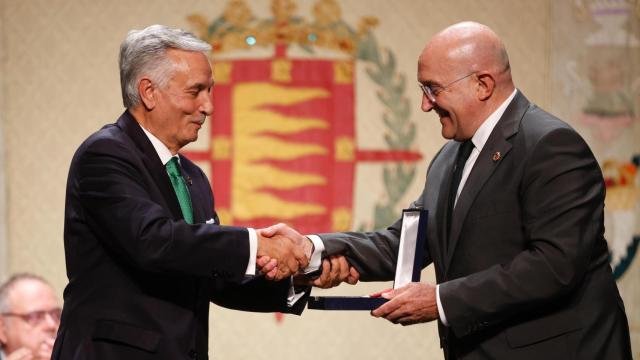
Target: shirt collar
x: 483, y: 132
x: 163, y: 151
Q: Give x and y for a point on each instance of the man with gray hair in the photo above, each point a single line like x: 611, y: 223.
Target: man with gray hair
x: 144, y: 250
x: 29, y: 318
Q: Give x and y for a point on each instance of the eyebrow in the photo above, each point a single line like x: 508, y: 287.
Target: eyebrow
x: 430, y: 83
x: 200, y: 86
x: 197, y: 87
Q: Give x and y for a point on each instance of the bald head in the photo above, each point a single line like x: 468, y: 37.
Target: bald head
x: 466, y: 70
x: 473, y: 47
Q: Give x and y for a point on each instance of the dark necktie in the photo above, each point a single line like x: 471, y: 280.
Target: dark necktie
x: 180, y: 187
x: 463, y: 154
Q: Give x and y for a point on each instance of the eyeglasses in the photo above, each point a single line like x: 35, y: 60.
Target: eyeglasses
x: 431, y: 91
x: 37, y: 317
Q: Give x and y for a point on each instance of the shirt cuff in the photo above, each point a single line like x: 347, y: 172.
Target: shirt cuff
x: 316, y: 257
x: 253, y: 252
x: 293, y: 297
x: 443, y: 318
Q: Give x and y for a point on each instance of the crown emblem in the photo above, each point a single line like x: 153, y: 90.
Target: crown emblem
x: 239, y: 29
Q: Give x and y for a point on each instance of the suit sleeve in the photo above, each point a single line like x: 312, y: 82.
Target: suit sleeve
x: 373, y: 254
x: 117, y: 203
x: 258, y: 295
x: 561, y: 197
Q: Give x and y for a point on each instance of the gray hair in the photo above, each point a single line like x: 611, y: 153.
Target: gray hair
x: 6, y: 287
x: 143, y: 52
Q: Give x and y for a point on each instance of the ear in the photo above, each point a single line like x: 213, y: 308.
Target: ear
x: 486, y: 85
x: 146, y: 91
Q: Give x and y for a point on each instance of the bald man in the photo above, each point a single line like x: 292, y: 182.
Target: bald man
x: 29, y: 318
x: 516, y: 225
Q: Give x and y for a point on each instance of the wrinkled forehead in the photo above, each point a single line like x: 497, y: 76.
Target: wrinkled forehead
x: 185, y: 60
x: 441, y: 60
x: 432, y: 66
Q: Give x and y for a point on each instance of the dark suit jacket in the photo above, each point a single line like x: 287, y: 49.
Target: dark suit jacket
x: 524, y: 273
x: 140, y: 278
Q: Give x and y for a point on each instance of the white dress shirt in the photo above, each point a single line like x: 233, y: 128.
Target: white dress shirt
x: 165, y: 155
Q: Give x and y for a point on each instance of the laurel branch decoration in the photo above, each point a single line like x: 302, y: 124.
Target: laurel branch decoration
x: 238, y: 28
x: 401, y: 131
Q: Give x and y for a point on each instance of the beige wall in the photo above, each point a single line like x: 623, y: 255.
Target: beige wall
x: 60, y: 83
x: 3, y: 216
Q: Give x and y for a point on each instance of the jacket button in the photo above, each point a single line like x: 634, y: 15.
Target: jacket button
x: 193, y: 354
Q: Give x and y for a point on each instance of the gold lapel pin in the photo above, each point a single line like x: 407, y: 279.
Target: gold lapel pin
x: 496, y: 156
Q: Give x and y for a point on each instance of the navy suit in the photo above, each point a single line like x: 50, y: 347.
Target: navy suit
x: 140, y: 278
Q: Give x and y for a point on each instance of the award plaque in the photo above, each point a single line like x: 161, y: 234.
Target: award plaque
x: 408, y: 267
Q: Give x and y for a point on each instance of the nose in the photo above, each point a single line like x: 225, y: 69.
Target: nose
x: 51, y: 322
x: 427, y: 105
x: 206, y: 107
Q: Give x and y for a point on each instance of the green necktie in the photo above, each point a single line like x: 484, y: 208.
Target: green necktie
x: 180, y: 187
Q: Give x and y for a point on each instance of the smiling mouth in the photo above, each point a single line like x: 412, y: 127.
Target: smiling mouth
x: 441, y: 112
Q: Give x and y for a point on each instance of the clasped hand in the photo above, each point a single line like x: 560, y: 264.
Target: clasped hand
x: 282, y: 252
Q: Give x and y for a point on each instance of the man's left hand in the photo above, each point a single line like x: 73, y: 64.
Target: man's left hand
x: 411, y: 304
x: 335, y: 270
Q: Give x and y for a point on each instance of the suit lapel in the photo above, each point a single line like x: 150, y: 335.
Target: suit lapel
x: 494, y: 151
x: 439, y: 177
x: 151, y: 161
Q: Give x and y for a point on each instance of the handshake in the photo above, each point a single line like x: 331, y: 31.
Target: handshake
x: 284, y: 252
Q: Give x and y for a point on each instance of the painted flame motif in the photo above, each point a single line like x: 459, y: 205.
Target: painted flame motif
x: 262, y: 138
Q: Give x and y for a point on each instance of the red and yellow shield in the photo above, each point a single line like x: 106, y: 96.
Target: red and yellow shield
x: 282, y: 143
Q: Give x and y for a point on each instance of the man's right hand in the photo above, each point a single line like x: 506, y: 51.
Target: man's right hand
x: 288, y: 254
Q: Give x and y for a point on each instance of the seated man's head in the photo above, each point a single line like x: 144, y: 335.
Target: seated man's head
x: 29, y: 316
